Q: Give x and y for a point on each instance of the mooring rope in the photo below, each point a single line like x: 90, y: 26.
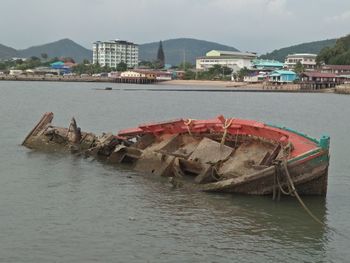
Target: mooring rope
x: 236, y: 139
x: 188, y: 123
x: 295, y: 193
x: 227, y: 124
x: 291, y: 188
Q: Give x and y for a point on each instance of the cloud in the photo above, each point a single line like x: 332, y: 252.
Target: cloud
x: 254, y: 25
x: 278, y: 7
x: 343, y: 17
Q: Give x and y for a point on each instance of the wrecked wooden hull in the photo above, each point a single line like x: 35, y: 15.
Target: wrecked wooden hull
x: 217, y: 155
x: 309, y: 177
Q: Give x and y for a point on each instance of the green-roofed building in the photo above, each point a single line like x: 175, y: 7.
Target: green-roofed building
x: 264, y: 64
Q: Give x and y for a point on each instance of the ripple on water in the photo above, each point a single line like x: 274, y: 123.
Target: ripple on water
x: 68, y: 209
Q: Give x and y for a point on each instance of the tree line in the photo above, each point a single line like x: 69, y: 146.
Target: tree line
x: 339, y: 54
x: 32, y: 62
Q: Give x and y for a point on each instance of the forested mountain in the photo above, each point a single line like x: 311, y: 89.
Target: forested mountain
x: 180, y: 49
x: 7, y: 52
x: 60, y: 48
x: 338, y: 54
x: 310, y: 47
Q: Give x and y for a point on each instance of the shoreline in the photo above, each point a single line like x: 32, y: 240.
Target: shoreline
x: 56, y: 78
x: 215, y: 84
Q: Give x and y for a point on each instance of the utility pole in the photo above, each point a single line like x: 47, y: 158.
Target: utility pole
x: 184, y: 62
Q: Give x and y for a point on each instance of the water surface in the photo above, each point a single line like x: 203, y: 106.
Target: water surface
x: 56, y: 208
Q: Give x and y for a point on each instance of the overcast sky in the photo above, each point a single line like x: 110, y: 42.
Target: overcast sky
x: 249, y: 25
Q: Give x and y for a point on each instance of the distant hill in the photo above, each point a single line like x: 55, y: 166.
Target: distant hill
x: 60, y: 48
x: 311, y: 47
x: 174, y: 50
x: 7, y: 52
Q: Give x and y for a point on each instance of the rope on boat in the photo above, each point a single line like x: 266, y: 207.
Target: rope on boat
x: 291, y: 188
x: 236, y: 139
x: 188, y: 123
x: 227, y: 124
x: 295, y: 193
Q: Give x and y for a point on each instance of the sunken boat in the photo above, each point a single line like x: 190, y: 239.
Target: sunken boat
x: 215, y: 155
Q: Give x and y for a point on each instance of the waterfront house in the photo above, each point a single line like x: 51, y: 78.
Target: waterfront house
x: 319, y: 80
x: 336, y: 69
x: 261, y: 69
x: 132, y: 74
x: 256, y: 76
x: 282, y: 76
x: 306, y: 59
x: 231, y: 59
x: 16, y: 72
x: 158, y: 75
x: 114, y: 74
x: 62, y: 67
x: 148, y: 74
x: 164, y: 75
x: 46, y: 70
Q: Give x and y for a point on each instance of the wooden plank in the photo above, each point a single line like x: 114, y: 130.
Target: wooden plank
x: 45, y: 120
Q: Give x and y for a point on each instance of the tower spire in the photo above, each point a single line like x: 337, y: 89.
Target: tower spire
x: 160, y: 55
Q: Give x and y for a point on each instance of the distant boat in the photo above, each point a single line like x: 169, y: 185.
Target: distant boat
x: 214, y: 155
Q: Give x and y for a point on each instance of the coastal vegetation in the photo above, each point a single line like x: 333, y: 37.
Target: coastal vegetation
x: 217, y: 72
x: 32, y: 62
x: 299, y: 68
x: 82, y: 68
x: 155, y: 64
x: 339, y: 54
x: 88, y: 68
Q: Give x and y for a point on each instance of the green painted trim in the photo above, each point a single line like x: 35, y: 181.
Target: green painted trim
x: 294, y: 131
x: 325, y: 157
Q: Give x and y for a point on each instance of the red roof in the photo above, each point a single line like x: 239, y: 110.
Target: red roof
x: 337, y: 67
x: 69, y: 64
x: 315, y: 74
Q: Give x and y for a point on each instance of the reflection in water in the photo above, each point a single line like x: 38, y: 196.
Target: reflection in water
x: 249, y: 219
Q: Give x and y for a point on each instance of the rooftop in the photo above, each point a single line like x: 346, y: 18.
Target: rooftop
x: 267, y: 63
x: 302, y: 55
x: 223, y: 53
x: 315, y: 74
x: 282, y: 72
x: 116, y: 41
x: 339, y: 67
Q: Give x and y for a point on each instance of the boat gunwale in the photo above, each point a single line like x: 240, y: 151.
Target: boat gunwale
x: 300, y: 142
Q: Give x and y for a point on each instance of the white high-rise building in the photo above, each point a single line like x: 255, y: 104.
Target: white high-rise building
x: 111, y: 53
